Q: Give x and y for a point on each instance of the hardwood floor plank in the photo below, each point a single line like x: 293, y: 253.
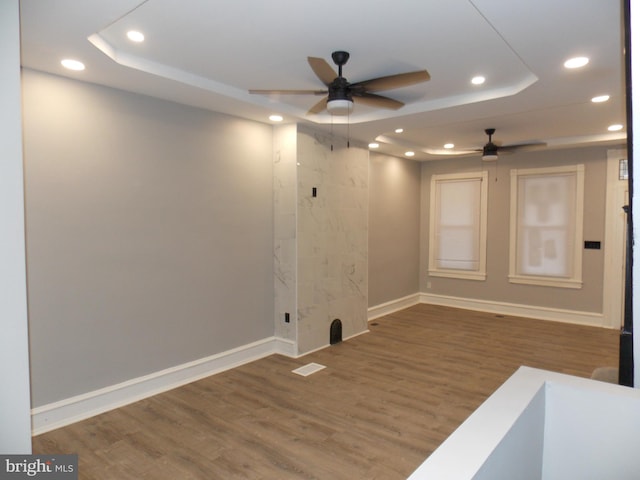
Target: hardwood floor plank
x: 383, y: 403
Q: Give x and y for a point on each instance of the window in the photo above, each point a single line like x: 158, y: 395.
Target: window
x: 546, y: 226
x: 458, y: 225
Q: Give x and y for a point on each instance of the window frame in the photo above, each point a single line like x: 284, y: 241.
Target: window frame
x: 433, y: 270
x: 574, y: 280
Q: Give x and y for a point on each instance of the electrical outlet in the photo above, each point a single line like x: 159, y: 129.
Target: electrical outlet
x: 428, y: 284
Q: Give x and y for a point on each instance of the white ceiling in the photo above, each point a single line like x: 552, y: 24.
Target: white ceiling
x: 209, y: 53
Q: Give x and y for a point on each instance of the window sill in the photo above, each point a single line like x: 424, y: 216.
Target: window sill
x: 462, y: 274
x: 546, y: 281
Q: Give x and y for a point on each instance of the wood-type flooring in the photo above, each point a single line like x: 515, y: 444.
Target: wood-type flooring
x: 384, y: 402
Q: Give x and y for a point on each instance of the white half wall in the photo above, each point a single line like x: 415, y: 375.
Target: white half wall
x: 591, y: 430
x: 542, y: 425
x: 15, y: 428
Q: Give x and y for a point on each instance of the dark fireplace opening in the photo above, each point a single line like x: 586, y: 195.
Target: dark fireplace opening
x: 335, y: 332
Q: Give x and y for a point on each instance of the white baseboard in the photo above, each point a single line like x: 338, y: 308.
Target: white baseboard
x: 70, y: 410
x: 327, y: 345
x: 387, y: 308
x: 517, y: 310
x: 285, y: 347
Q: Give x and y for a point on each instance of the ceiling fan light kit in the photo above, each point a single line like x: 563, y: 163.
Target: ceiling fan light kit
x: 340, y: 106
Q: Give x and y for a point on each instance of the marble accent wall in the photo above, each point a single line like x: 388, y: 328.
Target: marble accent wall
x: 284, y: 217
x: 321, y: 242
x: 332, y: 238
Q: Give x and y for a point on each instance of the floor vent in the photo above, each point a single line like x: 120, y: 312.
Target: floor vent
x: 308, y: 369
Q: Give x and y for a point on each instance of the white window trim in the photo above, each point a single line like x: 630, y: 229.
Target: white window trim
x: 574, y: 281
x: 481, y: 273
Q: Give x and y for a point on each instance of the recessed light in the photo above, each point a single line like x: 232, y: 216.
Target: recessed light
x: 276, y: 118
x: 576, y: 62
x: 399, y: 130
x: 478, y: 80
x: 72, y: 64
x: 449, y: 145
x: 600, y: 98
x: 409, y: 153
x: 615, y: 128
x: 135, y: 36
x: 374, y: 145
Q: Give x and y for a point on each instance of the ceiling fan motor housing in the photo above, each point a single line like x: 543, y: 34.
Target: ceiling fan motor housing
x: 339, y: 99
x: 339, y: 90
x: 490, y: 149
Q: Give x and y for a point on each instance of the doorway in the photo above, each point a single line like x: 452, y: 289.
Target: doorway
x: 614, y: 242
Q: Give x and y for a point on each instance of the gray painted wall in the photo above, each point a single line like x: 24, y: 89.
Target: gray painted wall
x: 394, y: 228
x: 149, y: 234
x: 497, y: 287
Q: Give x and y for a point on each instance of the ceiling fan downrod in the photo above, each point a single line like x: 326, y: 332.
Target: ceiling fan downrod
x: 340, y: 58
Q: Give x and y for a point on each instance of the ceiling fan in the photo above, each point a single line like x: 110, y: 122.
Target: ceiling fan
x: 341, y: 94
x: 490, y: 150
